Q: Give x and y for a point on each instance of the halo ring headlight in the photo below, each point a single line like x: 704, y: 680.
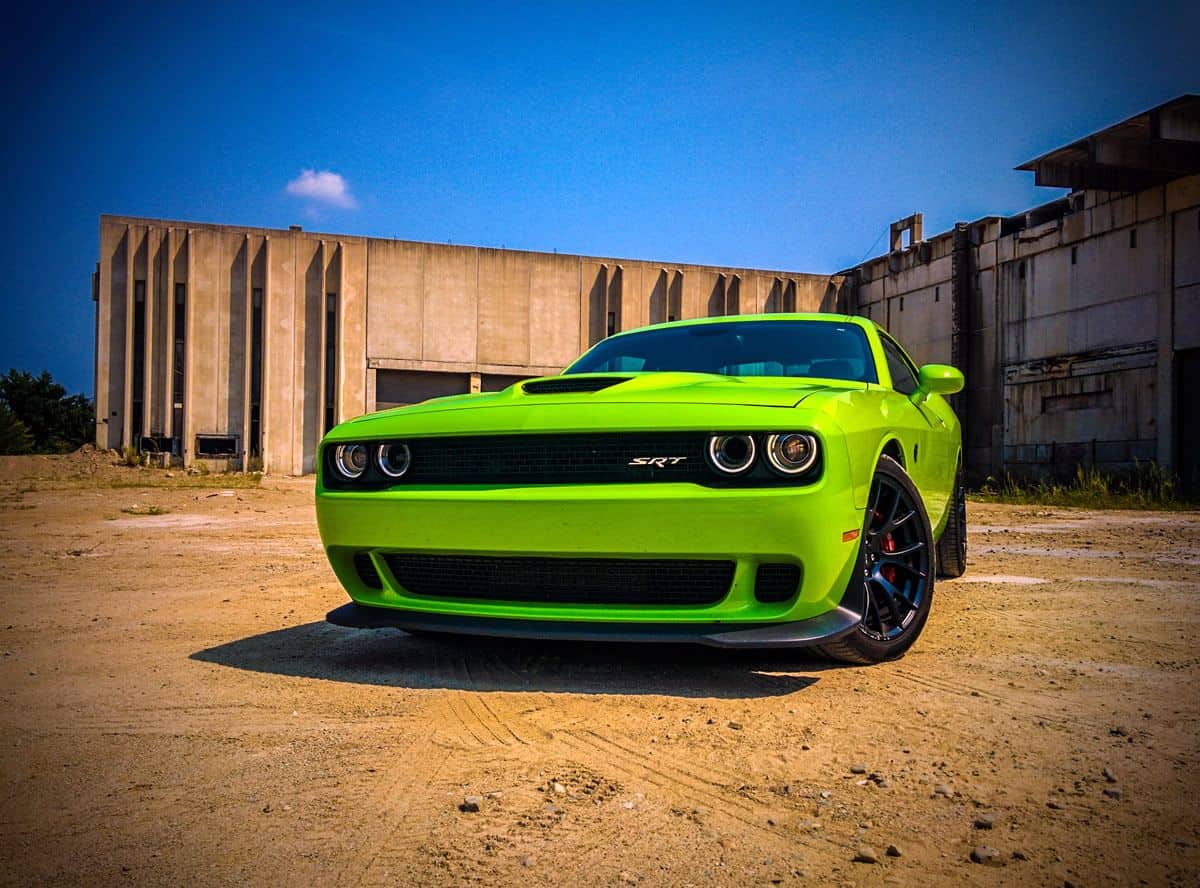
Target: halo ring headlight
x: 393, y: 459
x: 351, y: 460
x: 731, y: 454
x: 791, y: 453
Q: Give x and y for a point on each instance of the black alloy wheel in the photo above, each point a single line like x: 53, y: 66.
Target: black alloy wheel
x: 896, y: 569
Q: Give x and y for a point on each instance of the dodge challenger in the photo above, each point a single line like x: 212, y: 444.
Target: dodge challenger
x: 770, y: 480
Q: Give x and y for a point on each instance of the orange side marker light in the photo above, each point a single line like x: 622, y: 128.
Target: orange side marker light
x: 849, y: 536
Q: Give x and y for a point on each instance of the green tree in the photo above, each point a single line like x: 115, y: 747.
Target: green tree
x: 58, y: 422
x: 14, y: 435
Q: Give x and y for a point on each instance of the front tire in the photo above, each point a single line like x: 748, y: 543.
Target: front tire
x: 896, y: 567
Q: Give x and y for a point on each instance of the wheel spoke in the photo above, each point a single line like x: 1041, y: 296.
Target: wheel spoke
x: 908, y: 550
x: 903, y: 565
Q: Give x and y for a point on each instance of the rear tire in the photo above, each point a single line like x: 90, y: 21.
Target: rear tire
x: 895, y: 566
x: 952, y: 547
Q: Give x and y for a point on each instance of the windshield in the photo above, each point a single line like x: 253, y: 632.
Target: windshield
x: 822, y: 349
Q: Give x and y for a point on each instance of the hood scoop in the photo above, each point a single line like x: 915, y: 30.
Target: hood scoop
x: 562, y: 385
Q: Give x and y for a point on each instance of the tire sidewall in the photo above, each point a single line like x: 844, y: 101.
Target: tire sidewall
x: 872, y: 648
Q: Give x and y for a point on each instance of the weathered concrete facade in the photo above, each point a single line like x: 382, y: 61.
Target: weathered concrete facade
x: 241, y: 347
x: 1077, y: 323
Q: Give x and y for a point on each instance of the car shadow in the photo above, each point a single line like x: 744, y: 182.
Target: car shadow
x: 392, y: 658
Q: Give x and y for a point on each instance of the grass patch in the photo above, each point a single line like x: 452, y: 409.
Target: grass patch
x: 1146, y: 487
x: 145, y: 510
x: 239, y: 481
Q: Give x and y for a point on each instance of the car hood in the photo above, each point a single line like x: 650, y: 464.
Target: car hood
x: 626, y: 393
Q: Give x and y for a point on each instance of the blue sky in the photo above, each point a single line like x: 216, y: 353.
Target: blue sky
x: 781, y: 136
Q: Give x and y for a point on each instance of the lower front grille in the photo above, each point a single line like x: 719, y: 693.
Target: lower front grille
x: 563, y: 580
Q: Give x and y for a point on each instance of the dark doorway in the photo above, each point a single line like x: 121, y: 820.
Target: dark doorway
x: 1187, y: 419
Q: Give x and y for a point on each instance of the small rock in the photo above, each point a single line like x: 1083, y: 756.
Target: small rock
x: 735, y: 726
x: 1053, y: 805
x: 266, y: 809
x: 1118, y: 731
x: 825, y: 794
x: 987, y: 856
x: 1113, y: 792
x: 985, y: 821
x: 551, y: 808
x: 884, y: 783
x: 628, y: 878
x: 471, y: 804
x: 865, y: 854
x: 943, y: 790
x: 559, y: 789
x: 526, y: 861
x: 858, y: 768
x: 1020, y: 855
x: 894, y: 851
x: 628, y: 806
x: 1109, y: 775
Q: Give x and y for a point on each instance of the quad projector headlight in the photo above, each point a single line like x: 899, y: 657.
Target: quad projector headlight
x: 791, y: 453
x: 351, y: 460
x: 731, y: 454
x: 393, y: 459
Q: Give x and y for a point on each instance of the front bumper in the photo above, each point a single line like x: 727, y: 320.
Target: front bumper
x: 825, y: 628
x: 801, y: 525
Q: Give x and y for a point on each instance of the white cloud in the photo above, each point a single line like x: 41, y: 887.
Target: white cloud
x: 323, y: 186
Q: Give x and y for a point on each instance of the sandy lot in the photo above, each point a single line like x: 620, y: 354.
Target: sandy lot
x: 175, y: 710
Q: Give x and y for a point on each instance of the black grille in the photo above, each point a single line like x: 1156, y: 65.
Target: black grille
x: 776, y: 582
x: 555, y: 459
x: 563, y: 580
x: 365, y: 569
x: 564, y: 385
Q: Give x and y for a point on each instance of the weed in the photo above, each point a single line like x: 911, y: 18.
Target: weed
x: 130, y: 457
x: 1147, y: 486
x: 145, y: 510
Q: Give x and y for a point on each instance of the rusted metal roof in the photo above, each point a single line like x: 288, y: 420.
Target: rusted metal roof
x: 1148, y: 149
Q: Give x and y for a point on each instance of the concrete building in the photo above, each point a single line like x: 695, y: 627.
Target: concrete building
x: 240, y: 347
x: 1077, y: 323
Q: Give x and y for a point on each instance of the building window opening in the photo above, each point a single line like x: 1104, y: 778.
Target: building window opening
x: 331, y: 307
x: 902, y: 303
x: 178, y: 364
x: 138, y: 382
x: 216, y: 446
x: 256, y: 371
x: 1021, y: 270
x: 1074, y: 255
x: 1133, y: 238
x: 612, y: 323
x: 937, y: 294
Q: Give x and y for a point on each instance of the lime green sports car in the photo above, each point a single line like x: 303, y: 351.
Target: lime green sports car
x: 769, y: 480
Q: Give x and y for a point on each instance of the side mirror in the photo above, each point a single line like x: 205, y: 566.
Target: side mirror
x: 939, y: 379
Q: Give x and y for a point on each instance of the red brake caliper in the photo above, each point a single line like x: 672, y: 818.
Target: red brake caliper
x: 889, y: 570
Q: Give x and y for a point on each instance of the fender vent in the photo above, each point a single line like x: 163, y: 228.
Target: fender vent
x: 563, y: 385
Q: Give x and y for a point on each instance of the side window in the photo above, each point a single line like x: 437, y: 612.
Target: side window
x: 903, y: 379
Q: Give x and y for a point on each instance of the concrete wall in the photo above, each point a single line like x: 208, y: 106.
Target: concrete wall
x: 413, y: 320
x: 1071, y: 328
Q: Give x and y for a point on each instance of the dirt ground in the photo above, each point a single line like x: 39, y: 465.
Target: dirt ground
x: 176, y: 711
